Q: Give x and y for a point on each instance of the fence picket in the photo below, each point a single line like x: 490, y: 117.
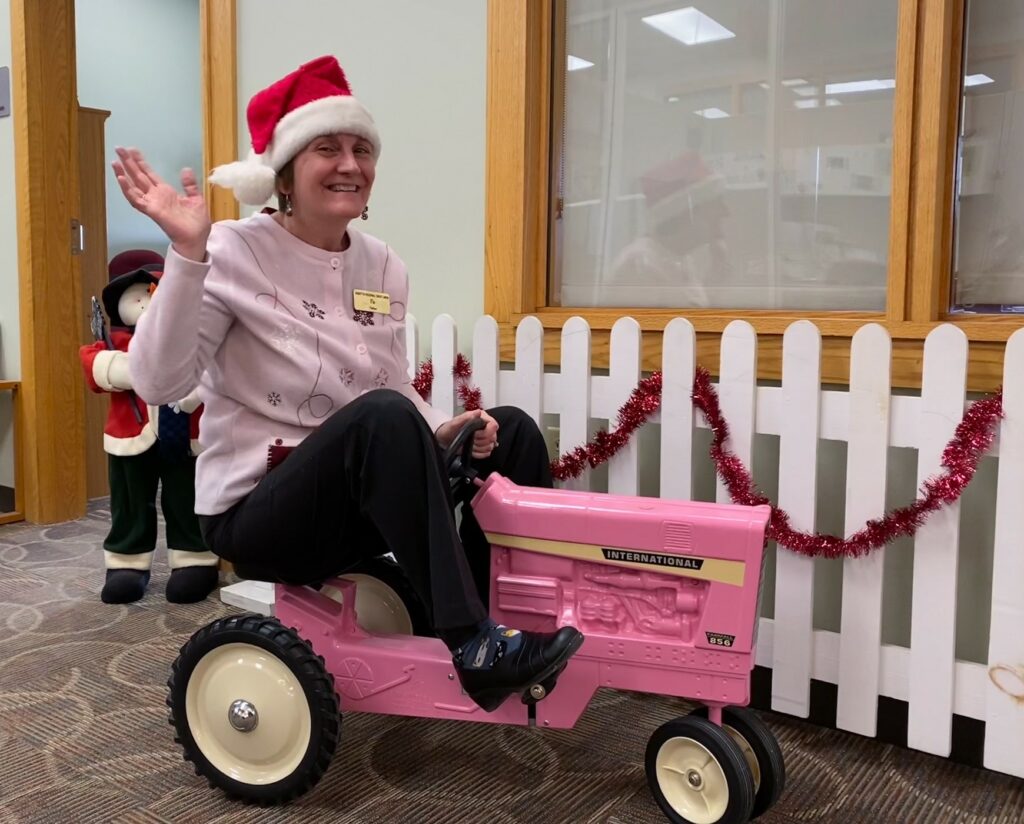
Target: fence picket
x: 574, y: 414
x: 737, y: 393
x: 623, y: 376
x: 679, y: 361
x: 933, y: 607
x: 798, y: 462
x: 527, y: 389
x: 485, y: 360
x: 860, y: 641
x: 1004, y: 705
x: 444, y: 344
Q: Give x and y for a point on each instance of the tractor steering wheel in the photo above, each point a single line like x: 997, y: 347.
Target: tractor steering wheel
x: 458, y: 456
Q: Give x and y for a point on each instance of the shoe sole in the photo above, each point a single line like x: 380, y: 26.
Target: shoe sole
x: 489, y: 702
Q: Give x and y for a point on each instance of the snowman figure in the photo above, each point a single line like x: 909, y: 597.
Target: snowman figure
x: 146, y: 446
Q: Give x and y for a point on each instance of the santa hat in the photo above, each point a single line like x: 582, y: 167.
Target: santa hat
x: 312, y: 101
x: 672, y: 189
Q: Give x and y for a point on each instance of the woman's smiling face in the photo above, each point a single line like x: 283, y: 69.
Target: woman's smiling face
x: 332, y: 178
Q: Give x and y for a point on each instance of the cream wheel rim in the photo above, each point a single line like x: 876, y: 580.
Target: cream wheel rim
x: 748, y: 754
x: 379, y: 609
x: 692, y: 780
x: 274, y: 747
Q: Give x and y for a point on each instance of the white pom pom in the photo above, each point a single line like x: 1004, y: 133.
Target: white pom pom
x: 251, y: 180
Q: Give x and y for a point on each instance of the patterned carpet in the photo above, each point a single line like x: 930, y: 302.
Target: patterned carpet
x: 84, y: 736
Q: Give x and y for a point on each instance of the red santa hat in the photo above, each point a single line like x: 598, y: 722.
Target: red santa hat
x: 674, y: 188
x: 312, y: 101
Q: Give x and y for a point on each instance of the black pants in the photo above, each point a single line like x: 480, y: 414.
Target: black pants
x: 371, y: 480
x: 133, y: 489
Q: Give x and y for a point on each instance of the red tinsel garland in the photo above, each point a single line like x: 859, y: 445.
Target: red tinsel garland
x: 468, y: 395
x: 971, y: 440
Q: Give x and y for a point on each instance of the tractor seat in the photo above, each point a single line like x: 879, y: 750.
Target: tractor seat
x: 253, y: 572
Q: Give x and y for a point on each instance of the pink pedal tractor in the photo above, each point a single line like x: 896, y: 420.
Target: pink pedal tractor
x: 665, y: 592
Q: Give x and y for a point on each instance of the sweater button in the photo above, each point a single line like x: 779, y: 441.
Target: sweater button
x: 335, y: 263
x: 361, y: 349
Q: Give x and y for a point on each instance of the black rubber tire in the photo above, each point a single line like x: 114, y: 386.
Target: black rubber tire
x: 771, y: 765
x: 722, y: 748
x: 317, y: 684
x: 390, y: 573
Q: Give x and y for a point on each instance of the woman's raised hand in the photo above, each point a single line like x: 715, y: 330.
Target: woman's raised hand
x: 183, y: 216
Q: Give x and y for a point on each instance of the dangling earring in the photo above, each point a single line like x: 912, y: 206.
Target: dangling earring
x: 366, y: 213
x: 288, y: 210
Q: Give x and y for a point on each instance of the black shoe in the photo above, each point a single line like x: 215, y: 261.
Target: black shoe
x: 123, y: 586
x: 536, y: 657
x: 191, y: 584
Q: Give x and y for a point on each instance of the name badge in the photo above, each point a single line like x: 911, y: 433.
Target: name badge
x: 371, y: 301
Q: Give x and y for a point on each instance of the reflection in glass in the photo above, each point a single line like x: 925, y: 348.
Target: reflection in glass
x: 988, y: 269
x: 731, y: 155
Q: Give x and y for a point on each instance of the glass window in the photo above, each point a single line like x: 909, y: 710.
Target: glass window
x: 989, y: 253
x: 727, y: 155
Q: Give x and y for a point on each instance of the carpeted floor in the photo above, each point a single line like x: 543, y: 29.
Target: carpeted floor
x: 84, y: 736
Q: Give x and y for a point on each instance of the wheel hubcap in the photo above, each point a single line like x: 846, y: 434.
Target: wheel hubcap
x: 692, y: 780
x: 243, y: 716
x: 232, y: 736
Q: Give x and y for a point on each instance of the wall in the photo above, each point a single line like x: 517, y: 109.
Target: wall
x: 420, y: 68
x: 10, y: 347
x: 152, y: 90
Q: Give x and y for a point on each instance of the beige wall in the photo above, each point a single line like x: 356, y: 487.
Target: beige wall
x: 10, y: 346
x: 10, y: 349
x: 420, y: 68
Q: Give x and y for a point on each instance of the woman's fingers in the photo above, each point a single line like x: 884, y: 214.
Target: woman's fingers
x: 189, y: 182
x: 485, y: 440
x: 131, y: 167
x: 151, y: 177
x: 130, y: 191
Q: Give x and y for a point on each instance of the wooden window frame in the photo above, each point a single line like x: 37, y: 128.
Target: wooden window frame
x: 519, y: 207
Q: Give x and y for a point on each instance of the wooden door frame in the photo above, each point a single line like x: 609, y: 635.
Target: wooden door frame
x: 50, y: 412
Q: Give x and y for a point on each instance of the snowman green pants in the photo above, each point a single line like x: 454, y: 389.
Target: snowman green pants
x: 133, y: 520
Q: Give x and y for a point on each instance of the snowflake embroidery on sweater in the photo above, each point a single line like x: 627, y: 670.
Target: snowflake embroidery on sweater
x: 346, y: 376
x: 380, y: 379
x: 285, y: 338
x: 273, y: 398
x: 313, y: 310
x: 361, y: 316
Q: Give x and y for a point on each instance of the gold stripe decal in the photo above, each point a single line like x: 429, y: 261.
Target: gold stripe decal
x: 687, y: 566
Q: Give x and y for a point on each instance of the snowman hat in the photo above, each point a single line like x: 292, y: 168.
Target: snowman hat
x: 149, y: 274
x: 312, y: 101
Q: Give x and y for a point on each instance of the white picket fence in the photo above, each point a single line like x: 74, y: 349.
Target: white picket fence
x: 870, y: 419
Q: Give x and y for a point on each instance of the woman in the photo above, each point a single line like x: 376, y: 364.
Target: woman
x: 293, y: 325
